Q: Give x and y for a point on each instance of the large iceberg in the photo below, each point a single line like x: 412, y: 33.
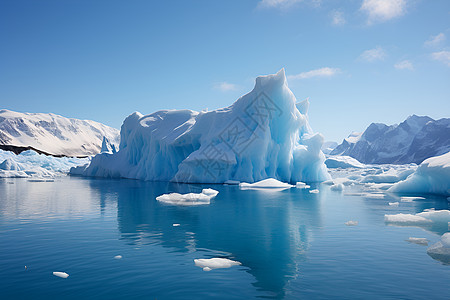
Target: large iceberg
x: 431, y: 177
x: 264, y: 134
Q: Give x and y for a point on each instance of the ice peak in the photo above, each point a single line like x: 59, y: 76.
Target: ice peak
x: 278, y: 79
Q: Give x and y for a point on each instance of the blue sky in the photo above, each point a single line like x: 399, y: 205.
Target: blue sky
x: 359, y: 61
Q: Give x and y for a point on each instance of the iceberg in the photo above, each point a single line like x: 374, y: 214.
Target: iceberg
x: 61, y: 274
x: 342, y: 162
x: 431, y: 177
x: 428, y: 216
x: 264, y: 134
x: 266, y: 183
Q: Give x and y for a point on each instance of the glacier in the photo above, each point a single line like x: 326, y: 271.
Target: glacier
x: 264, y: 134
x: 431, y: 177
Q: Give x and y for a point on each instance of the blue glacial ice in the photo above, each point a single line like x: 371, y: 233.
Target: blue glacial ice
x: 431, y: 177
x: 264, y: 134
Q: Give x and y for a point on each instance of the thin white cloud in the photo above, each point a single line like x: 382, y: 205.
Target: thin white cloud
x: 277, y: 3
x: 442, y: 56
x: 383, y: 10
x: 404, y: 65
x: 337, y: 18
x: 225, y: 86
x: 373, y: 55
x: 435, y: 41
x: 322, y: 72
x: 284, y: 4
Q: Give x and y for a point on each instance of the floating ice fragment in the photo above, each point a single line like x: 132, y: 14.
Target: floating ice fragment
x: 175, y: 225
x: 410, y: 199
x: 118, y: 257
x: 441, y: 250
x: 61, y: 274
x: 188, y: 199
x: 300, y: 185
x: 215, y: 263
x: 374, y: 196
x: 337, y: 187
x: 351, y: 223
x: 316, y: 191
x: 418, y: 241
x: 393, y: 203
x: 406, y: 219
x: 232, y: 182
x: 266, y: 183
x: 210, y: 192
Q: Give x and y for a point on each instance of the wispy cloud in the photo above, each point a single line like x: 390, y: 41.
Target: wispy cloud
x: 383, y: 10
x: 225, y: 86
x: 372, y: 55
x: 435, y: 41
x: 322, y: 72
x: 442, y: 56
x: 284, y: 4
x: 404, y: 65
x: 337, y: 18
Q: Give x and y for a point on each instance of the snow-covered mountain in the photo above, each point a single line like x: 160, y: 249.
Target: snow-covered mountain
x: 412, y: 141
x: 53, y: 134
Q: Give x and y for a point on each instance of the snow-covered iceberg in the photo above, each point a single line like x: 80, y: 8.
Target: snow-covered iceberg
x: 31, y: 164
x: 264, y: 134
x: 431, y: 177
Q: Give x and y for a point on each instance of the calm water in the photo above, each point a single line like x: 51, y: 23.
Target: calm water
x: 292, y: 244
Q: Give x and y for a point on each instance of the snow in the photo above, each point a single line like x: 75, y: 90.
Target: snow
x: 431, y: 177
x: 342, y: 162
x: 190, y: 199
x: 418, y: 241
x: 54, y: 134
x: 441, y: 249
x: 262, y: 135
x: 426, y: 217
x: 38, y: 166
x: 266, y: 183
x: 61, y: 274
x: 351, y: 223
x: 215, y: 263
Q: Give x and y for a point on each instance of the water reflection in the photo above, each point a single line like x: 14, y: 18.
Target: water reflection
x: 267, y: 232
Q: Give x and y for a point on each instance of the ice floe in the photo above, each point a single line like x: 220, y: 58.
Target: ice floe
x: 61, y: 274
x: 426, y: 217
x: 441, y: 250
x: 189, y: 199
x: 351, y: 223
x: 418, y: 241
x: 208, y: 264
x: 266, y: 184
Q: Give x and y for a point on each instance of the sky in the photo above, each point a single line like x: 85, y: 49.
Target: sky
x: 358, y: 61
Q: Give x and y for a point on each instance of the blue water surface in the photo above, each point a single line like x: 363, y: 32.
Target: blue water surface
x: 292, y: 244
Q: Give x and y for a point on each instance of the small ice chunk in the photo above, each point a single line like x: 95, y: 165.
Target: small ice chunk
x: 374, y: 196
x: 351, y: 223
x: 118, y: 257
x: 406, y: 219
x: 210, y: 192
x: 266, y: 183
x: 61, y: 274
x: 393, y: 203
x: 300, y: 185
x: 215, y: 263
x: 316, y: 191
x: 441, y: 250
x: 175, y: 225
x: 232, y: 182
x: 337, y: 187
x: 188, y: 199
x: 418, y: 241
x: 410, y: 199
